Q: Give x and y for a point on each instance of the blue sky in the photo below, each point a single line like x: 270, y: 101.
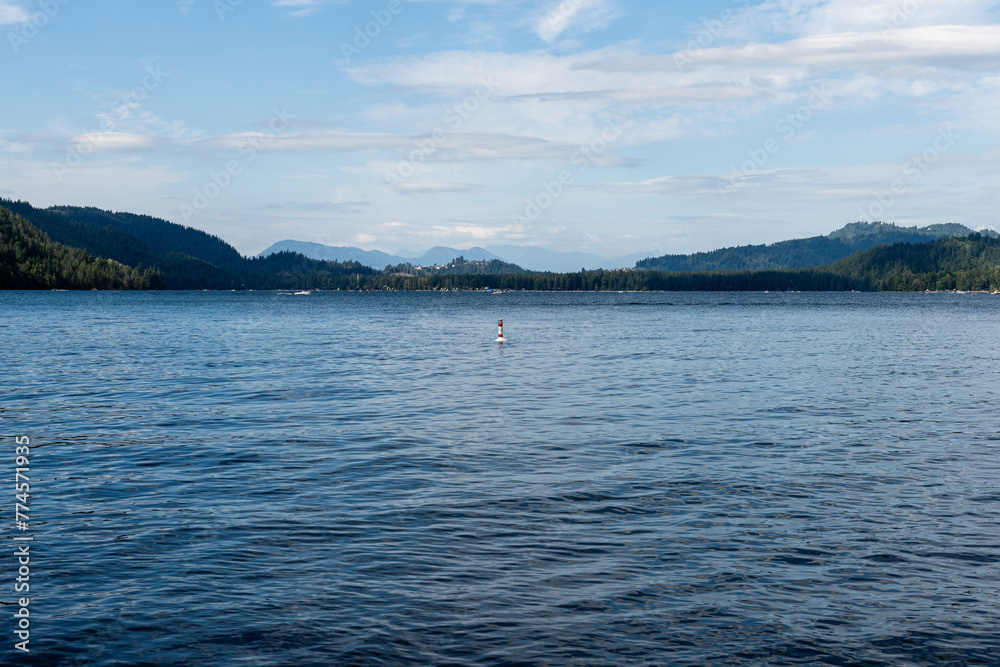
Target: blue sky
x: 607, y: 126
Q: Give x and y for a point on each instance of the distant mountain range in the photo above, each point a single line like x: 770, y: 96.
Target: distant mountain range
x: 809, y: 252
x: 794, y: 254
x: 530, y: 257
x: 376, y: 258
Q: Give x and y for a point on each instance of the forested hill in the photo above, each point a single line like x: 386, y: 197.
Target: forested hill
x: 966, y: 263
x: 186, y: 258
x: 164, y: 236
x: 29, y: 259
x: 802, y: 253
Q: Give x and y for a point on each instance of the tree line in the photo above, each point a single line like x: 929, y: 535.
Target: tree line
x: 804, y: 253
x: 29, y: 259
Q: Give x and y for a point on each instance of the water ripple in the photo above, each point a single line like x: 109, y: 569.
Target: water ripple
x: 243, y: 479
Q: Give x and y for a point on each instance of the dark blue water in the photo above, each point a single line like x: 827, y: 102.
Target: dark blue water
x: 266, y: 479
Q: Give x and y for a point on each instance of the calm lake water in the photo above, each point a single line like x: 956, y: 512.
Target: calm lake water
x: 345, y: 478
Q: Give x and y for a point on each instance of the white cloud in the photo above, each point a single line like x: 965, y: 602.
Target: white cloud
x: 363, y: 239
x: 465, y: 233
x: 306, y: 7
x: 136, y: 121
x: 16, y: 147
x: 432, y: 187
x: 848, y: 189
x: 458, y: 146
x: 607, y: 74
x: 953, y: 46
x: 12, y: 13
x: 567, y: 98
x: 824, y: 17
x: 320, y: 206
x: 104, y: 142
x: 669, y: 185
x: 568, y: 14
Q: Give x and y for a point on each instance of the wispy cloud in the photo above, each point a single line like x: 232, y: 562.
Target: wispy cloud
x: 693, y: 185
x: 585, y: 14
x: 945, y: 45
x: 12, y: 13
x: 825, y: 17
x: 460, y: 146
x: 306, y: 7
x: 565, y: 98
x: 433, y: 187
x: 319, y: 206
x: 106, y: 142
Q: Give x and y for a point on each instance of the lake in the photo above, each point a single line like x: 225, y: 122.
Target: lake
x: 346, y: 478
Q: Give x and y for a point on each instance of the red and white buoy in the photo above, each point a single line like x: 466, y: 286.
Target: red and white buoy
x: 500, y: 338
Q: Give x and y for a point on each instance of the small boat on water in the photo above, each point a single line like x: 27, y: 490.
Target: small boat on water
x: 303, y: 293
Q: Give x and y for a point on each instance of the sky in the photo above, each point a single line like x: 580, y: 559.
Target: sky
x: 604, y: 126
